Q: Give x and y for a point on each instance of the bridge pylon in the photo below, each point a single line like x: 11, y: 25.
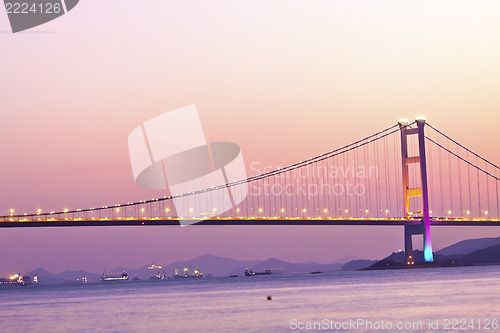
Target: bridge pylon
x: 422, y: 191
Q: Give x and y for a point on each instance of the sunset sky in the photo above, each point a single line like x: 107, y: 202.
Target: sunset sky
x: 286, y: 80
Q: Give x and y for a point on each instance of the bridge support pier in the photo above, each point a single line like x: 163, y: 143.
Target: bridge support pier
x: 410, y: 231
x: 422, y: 191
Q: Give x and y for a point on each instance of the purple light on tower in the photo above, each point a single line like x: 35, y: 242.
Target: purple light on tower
x: 428, y: 256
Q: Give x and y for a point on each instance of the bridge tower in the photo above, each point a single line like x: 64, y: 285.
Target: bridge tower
x: 424, y: 227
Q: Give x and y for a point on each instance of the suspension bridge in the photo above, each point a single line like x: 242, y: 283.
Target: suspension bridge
x: 410, y: 174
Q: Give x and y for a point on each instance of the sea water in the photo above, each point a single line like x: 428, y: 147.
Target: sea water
x: 418, y: 300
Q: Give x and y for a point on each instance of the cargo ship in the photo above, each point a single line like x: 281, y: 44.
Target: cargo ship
x: 249, y: 272
x: 110, y: 277
x: 16, y: 280
x: 158, y: 276
x: 186, y: 275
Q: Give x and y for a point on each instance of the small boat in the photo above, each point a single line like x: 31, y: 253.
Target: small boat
x: 318, y: 272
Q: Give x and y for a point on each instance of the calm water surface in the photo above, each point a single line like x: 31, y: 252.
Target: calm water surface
x: 408, y: 297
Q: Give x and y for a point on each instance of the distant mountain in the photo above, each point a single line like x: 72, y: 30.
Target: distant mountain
x: 39, y: 272
x: 343, y: 260
x: 279, y: 267
x: 217, y: 266
x: 355, y: 265
x: 468, y: 246
x: 74, y: 275
x: 488, y: 255
x: 44, y: 277
x: 464, y: 253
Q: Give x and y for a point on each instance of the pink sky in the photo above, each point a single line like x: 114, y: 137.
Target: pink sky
x: 285, y: 80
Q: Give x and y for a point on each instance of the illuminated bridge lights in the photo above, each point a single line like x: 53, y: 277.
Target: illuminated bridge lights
x: 313, y: 220
x: 145, y: 210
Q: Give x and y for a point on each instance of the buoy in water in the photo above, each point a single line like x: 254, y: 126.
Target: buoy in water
x: 269, y: 298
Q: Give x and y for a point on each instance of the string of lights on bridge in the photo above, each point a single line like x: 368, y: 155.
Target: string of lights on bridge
x: 385, y: 190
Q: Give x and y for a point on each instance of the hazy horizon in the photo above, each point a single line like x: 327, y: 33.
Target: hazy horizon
x: 285, y: 80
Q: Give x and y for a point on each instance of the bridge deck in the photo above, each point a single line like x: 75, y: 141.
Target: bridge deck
x: 241, y: 222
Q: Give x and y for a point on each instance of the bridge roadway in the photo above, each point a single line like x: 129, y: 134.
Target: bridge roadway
x: 14, y: 223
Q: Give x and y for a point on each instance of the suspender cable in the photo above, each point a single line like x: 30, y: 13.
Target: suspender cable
x: 257, y: 210
x: 344, y: 183
x: 368, y: 181
x: 334, y: 188
x: 306, y: 198
x: 441, y: 193
x: 278, y: 205
x: 460, y: 186
x: 330, y: 189
x: 323, y: 184
x: 348, y: 190
x: 468, y: 172
x: 487, y: 192
x: 283, y: 195
x: 396, y: 173
x: 377, y: 189
x: 387, y: 191
x: 496, y: 189
x: 288, y: 185
x: 451, y: 184
x: 296, y: 187
x: 315, y: 182
x: 478, y: 189
x: 356, y: 180
x: 269, y: 211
